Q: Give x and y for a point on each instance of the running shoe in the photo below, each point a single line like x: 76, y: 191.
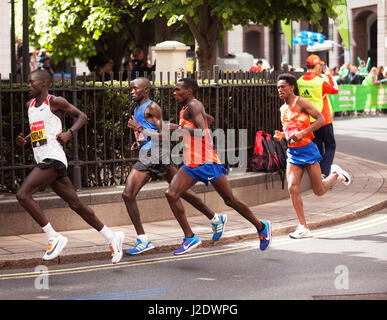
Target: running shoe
x: 300, y: 232
x: 265, y: 236
x: 140, y: 247
x: 115, y: 246
x: 188, y: 245
x: 343, y: 176
x: 218, y: 228
x: 54, y: 247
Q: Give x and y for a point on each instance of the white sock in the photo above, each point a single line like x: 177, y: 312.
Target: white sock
x: 49, y: 230
x: 142, y: 237
x: 215, y: 219
x: 107, y: 233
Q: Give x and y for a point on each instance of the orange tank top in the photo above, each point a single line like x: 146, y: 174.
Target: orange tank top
x: 293, y: 121
x: 198, y: 150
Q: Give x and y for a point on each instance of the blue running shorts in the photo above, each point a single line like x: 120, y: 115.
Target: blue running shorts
x: 304, y: 155
x: 206, y: 172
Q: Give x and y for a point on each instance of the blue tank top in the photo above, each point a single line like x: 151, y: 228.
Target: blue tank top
x: 139, y: 116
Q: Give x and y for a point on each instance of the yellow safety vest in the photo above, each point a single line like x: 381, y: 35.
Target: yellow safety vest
x: 312, y: 90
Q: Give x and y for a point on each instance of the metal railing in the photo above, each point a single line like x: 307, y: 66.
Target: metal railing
x: 99, y: 153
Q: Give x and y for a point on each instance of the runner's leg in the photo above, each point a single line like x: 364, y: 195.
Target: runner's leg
x: 327, y: 137
x: 135, y: 181
x: 223, y: 188
x: 65, y: 189
x: 34, y: 181
x: 294, y: 175
x: 180, y: 183
x: 320, y: 187
x: 190, y: 196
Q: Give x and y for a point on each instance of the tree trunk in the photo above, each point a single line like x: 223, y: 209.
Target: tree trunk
x: 206, y: 33
x: 112, y: 47
x: 143, y: 32
x: 206, y: 57
x: 162, y: 31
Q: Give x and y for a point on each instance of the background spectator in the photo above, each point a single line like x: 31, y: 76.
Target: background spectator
x: 46, y: 64
x: 34, y: 59
x: 352, y: 76
x: 127, y: 68
x: 139, y: 65
x: 285, y: 67
x: 381, y: 73
x: 257, y: 67
x: 372, y: 77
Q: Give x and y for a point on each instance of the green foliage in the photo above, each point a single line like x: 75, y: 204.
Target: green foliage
x: 70, y: 28
x: 208, y: 19
x: 244, y: 12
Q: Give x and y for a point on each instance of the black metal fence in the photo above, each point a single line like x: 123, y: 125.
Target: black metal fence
x: 99, y: 153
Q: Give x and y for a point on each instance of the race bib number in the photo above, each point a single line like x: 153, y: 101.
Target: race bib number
x: 140, y: 138
x: 290, y: 130
x: 38, y: 134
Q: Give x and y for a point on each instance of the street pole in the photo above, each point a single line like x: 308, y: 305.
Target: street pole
x: 26, y: 43
x: 77, y: 177
x: 13, y: 45
x: 277, y: 45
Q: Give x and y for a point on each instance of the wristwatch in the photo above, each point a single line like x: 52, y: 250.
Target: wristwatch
x: 71, y: 131
x: 140, y: 129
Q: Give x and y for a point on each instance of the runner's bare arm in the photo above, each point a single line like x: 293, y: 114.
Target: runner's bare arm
x: 307, y: 107
x: 278, y: 135
x: 61, y: 106
x: 197, y: 117
x: 156, y: 116
x: 210, y: 119
x: 21, y: 139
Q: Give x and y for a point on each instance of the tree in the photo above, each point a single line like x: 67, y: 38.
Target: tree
x: 90, y: 28
x: 207, y: 19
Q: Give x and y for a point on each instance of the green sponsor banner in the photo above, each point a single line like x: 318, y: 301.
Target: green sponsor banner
x: 359, y: 97
x: 341, y: 22
x: 288, y: 31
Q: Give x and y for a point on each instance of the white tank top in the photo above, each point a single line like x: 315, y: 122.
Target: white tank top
x: 44, y: 126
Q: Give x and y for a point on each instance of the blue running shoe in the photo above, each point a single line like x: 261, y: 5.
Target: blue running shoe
x: 218, y: 228
x: 188, y: 245
x: 140, y: 246
x: 265, y: 236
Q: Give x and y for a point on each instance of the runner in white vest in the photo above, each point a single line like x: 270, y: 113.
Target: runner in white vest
x: 45, y: 113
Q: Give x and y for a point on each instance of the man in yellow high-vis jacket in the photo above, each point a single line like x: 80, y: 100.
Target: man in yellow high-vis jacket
x: 314, y: 88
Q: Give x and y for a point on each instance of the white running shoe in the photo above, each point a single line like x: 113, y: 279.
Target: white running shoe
x: 115, y: 246
x: 301, y: 232
x: 55, y: 247
x: 343, y: 176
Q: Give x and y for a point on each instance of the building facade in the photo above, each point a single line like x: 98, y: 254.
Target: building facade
x: 5, y: 36
x: 368, y: 38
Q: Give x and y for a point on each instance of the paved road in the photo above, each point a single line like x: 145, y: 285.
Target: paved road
x: 347, y: 261
x: 342, y: 260
x: 362, y: 137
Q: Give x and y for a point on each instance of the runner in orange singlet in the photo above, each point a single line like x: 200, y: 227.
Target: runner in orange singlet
x: 302, y: 152
x: 202, y: 164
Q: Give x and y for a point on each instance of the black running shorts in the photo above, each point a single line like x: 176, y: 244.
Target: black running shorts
x: 155, y: 165
x: 59, y: 167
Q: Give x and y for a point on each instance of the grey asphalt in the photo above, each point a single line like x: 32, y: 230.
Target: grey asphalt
x: 365, y: 195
